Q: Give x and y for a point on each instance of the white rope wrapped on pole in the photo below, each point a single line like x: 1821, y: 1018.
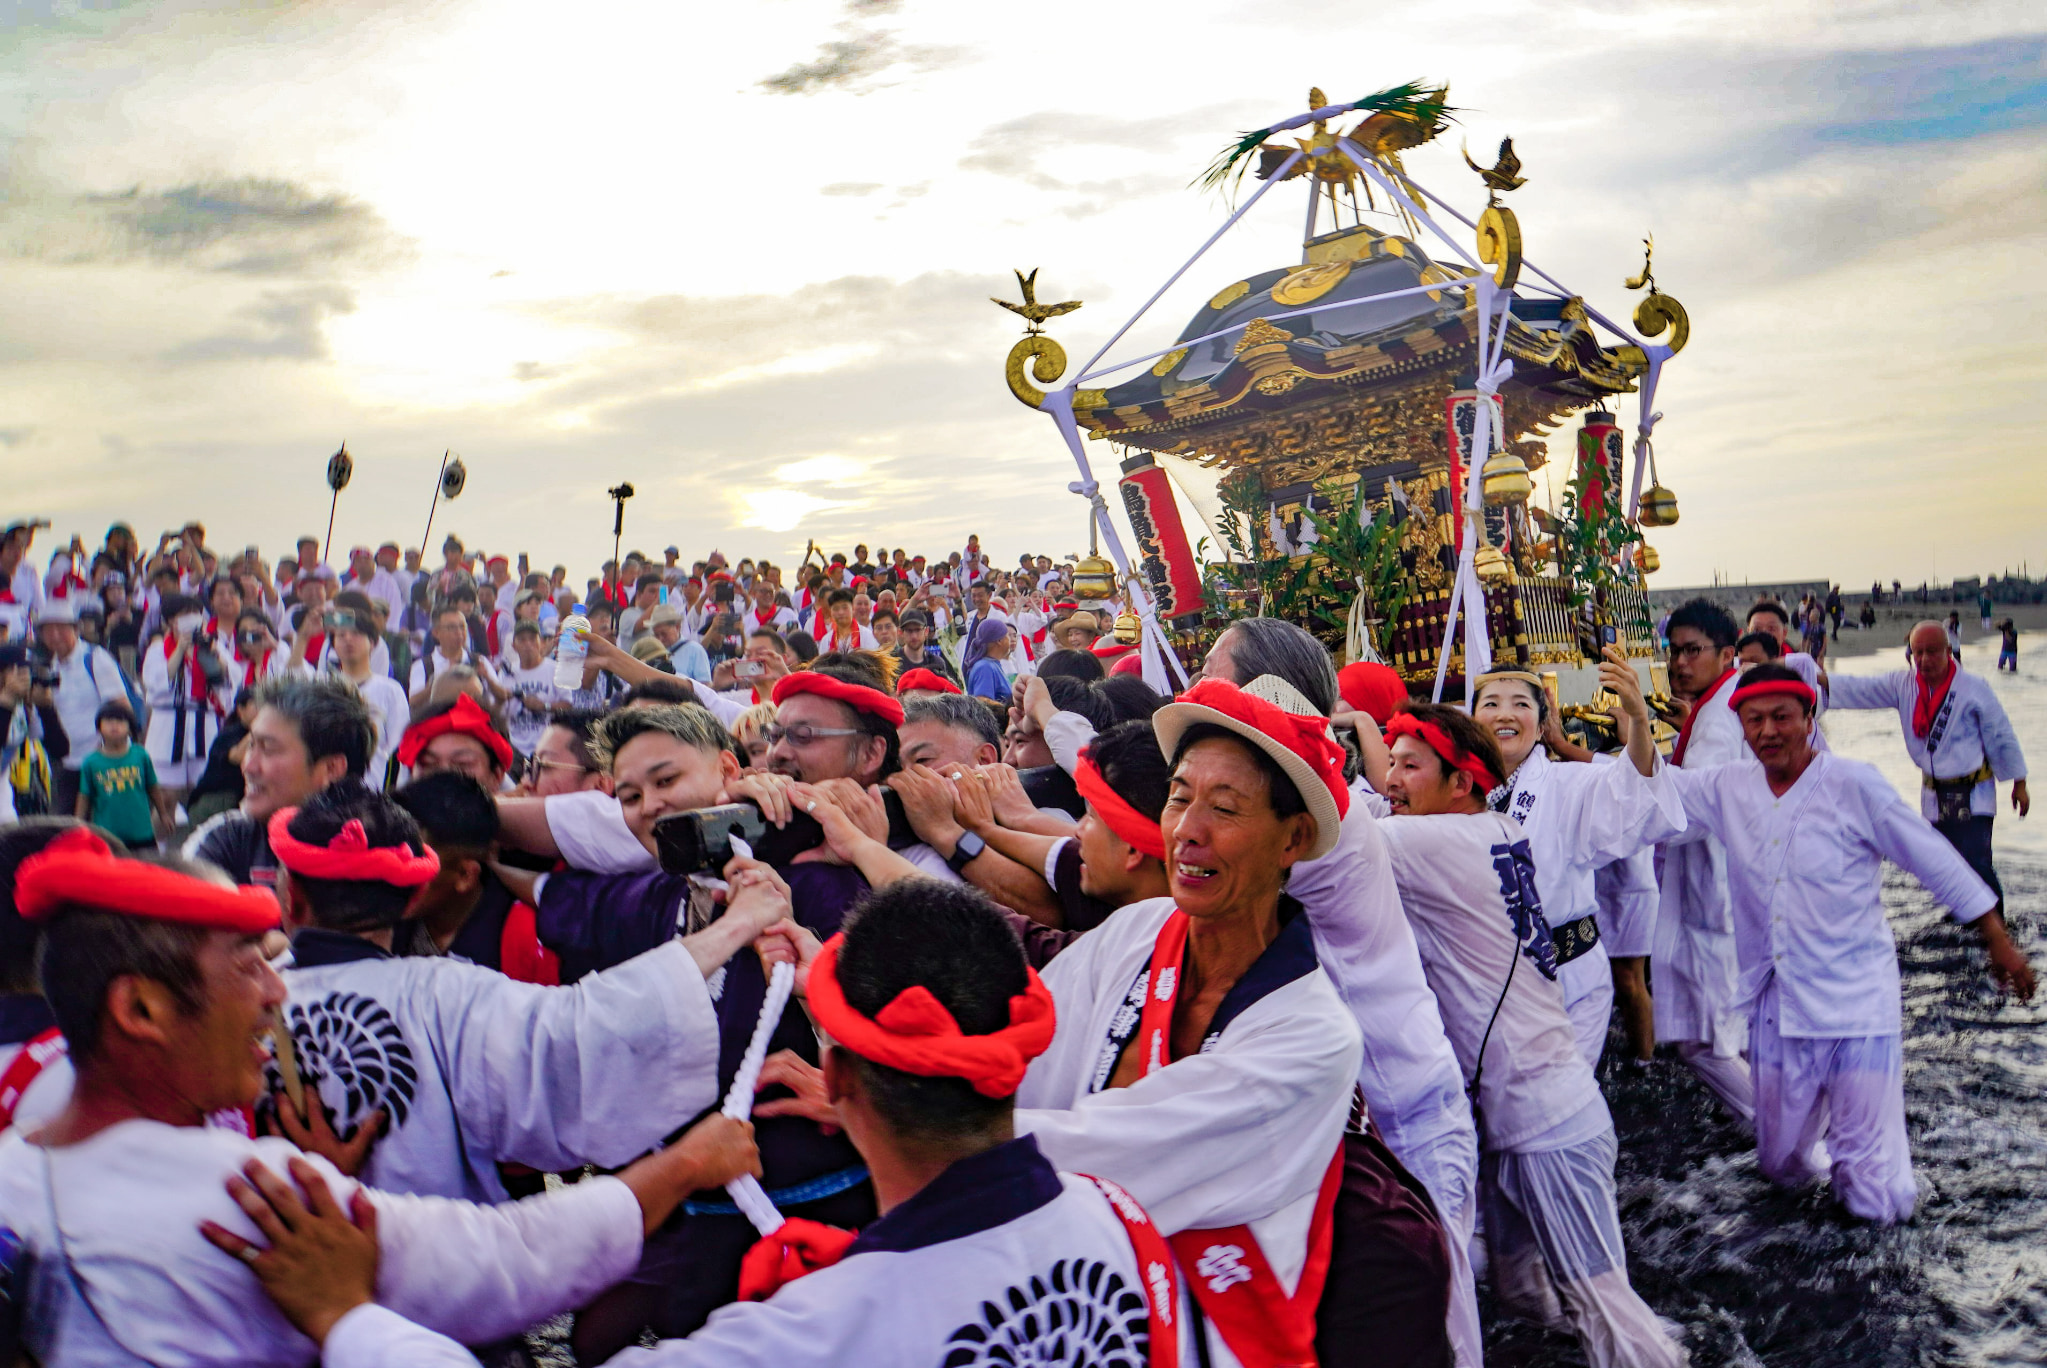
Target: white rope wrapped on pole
x: 747, y: 1193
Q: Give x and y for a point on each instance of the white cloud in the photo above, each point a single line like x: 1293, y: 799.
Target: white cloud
x: 592, y: 250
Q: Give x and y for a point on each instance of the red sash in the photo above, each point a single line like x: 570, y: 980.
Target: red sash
x: 520, y: 953
x: 1228, y: 1272
x: 1926, y: 704
x: 25, y: 1069
x: 1155, y: 1266
x: 1684, y: 733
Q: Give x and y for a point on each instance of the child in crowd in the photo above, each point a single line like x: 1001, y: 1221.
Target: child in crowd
x: 117, y: 786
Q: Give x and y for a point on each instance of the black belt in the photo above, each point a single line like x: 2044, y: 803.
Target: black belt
x: 1574, y: 938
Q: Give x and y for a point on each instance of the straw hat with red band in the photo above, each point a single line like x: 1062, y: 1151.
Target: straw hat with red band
x: 858, y: 697
x: 77, y: 869
x: 928, y: 680
x: 1274, y: 716
x: 350, y: 856
x: 1483, y: 780
x: 1774, y: 688
x: 916, y: 1034
x: 1139, y: 832
x: 466, y: 718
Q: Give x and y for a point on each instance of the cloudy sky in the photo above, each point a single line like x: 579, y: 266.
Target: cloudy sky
x: 740, y: 254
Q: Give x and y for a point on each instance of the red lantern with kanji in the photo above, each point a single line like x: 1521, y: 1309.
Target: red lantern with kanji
x: 1169, y: 565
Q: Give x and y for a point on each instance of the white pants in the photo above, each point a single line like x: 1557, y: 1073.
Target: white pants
x: 1448, y: 1167
x: 1849, y: 1092
x: 1555, y: 1239
x: 1587, y: 982
x: 1729, y: 1079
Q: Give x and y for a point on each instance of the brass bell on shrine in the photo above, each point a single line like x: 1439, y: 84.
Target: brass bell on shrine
x: 1129, y: 627
x: 1506, y: 478
x: 1646, y: 559
x: 1658, y: 507
x: 1490, y: 564
x: 1094, y: 579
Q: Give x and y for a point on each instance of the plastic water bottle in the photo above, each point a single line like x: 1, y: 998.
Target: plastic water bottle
x: 571, y: 650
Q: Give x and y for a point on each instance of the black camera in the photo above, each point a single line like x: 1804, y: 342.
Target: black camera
x: 700, y: 841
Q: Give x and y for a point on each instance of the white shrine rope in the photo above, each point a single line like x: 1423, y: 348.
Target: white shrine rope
x: 746, y: 1190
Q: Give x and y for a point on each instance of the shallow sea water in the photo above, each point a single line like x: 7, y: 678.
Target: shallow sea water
x: 1754, y: 1275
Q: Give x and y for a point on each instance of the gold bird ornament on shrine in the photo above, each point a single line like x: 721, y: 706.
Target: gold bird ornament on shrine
x: 1032, y: 311
x: 1504, y: 174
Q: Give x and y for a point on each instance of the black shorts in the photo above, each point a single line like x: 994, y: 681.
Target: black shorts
x: 1971, y: 840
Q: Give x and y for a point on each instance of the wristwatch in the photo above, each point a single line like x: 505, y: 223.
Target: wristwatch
x: 964, y: 853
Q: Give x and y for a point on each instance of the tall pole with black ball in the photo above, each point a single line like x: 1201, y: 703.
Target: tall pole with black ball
x: 340, y: 466
x: 453, y: 477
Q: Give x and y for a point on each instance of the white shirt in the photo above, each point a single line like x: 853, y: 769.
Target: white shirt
x: 1694, y: 960
x: 775, y: 619
x: 537, y: 683
x: 380, y: 585
x: 1069, y: 1256
x: 1805, y: 872
x: 390, y: 710
x: 1240, y: 1133
x: 855, y: 638
x: 476, y: 1069
x: 1409, y: 1073
x: 130, y: 1200
x: 47, y: 1093
x: 1449, y: 868
x: 1970, y: 730
x: 27, y: 590
x: 86, y: 678
x: 480, y: 663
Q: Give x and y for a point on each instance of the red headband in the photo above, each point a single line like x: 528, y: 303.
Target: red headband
x: 1483, y: 780
x: 1788, y: 688
x: 466, y: 718
x: 78, y: 868
x: 349, y: 856
x: 916, y: 1034
x: 1139, y: 832
x: 858, y: 697
x: 921, y: 678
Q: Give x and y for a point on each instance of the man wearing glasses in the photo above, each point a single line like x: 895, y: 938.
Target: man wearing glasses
x: 1693, y: 958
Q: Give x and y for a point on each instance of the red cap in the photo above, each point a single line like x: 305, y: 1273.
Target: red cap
x: 858, y: 697
x: 79, y: 868
x: 928, y: 680
x: 1372, y: 688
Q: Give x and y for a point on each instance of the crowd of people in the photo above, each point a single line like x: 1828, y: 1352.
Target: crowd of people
x: 862, y: 963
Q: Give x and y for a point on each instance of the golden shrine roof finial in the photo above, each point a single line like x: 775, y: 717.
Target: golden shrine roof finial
x: 1031, y: 310
x: 1503, y: 175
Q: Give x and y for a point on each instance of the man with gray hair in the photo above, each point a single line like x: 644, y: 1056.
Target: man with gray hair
x: 942, y: 729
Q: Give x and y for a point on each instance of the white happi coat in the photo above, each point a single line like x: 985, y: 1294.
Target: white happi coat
x: 1805, y: 872
x: 1241, y: 1133
x: 130, y: 1200
x: 475, y: 1068
x: 1463, y: 900
x: 1970, y: 731
x: 999, y: 1261
x: 1693, y: 959
x: 1409, y: 1073
x: 1578, y: 817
